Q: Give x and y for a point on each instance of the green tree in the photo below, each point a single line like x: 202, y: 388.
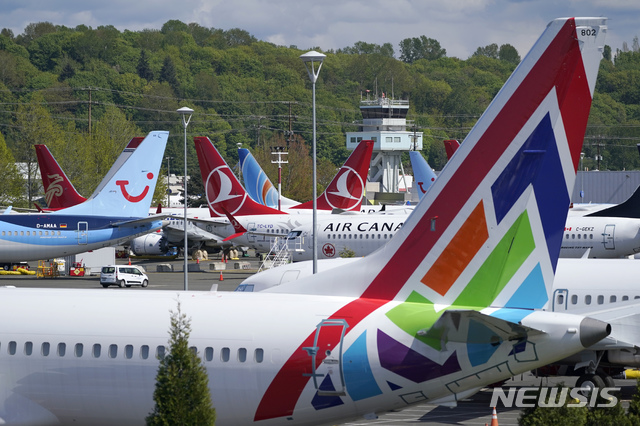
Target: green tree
x: 412, y: 49
x: 11, y: 183
x: 182, y: 386
x: 490, y: 51
x: 168, y: 73
x: 509, y: 53
x: 143, y: 68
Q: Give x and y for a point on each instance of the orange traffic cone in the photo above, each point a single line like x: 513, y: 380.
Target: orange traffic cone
x: 197, y: 260
x: 129, y: 261
x: 221, y: 277
x: 494, y: 418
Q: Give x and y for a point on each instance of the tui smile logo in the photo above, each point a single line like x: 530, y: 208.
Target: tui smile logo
x: 133, y: 198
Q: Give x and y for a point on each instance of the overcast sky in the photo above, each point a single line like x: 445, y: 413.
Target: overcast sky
x: 461, y: 26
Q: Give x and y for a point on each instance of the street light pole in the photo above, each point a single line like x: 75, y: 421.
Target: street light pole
x: 310, y: 59
x: 185, y: 113
x: 168, y: 182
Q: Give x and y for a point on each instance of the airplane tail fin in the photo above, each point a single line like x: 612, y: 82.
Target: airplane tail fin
x: 489, y: 230
x: 59, y: 192
x: 128, y: 188
x: 347, y: 188
x: 450, y: 147
x: 629, y: 208
x: 257, y: 183
x: 223, y: 190
x: 423, y: 175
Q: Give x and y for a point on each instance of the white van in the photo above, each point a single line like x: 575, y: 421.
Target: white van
x: 123, y: 276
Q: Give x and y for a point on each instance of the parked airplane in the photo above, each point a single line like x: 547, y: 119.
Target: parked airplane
x: 413, y: 322
x: 226, y: 196
x: 60, y: 193
x: 111, y: 216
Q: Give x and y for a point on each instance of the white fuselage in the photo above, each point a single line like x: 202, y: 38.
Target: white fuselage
x: 71, y: 356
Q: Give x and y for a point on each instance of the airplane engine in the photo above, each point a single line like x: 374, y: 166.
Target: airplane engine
x: 150, y: 244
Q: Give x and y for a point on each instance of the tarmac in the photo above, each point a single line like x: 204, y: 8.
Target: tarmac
x: 207, y: 275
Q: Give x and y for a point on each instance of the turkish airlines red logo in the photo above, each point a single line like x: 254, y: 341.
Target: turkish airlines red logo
x: 220, y: 192
x: 345, y: 192
x: 133, y: 198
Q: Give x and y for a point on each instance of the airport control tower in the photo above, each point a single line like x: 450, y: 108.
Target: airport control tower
x: 384, y: 121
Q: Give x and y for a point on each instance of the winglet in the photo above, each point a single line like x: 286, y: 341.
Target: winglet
x: 347, y: 188
x: 240, y: 230
x: 222, y: 188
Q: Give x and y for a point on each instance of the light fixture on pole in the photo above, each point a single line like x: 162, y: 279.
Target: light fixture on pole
x: 311, y: 60
x: 185, y: 113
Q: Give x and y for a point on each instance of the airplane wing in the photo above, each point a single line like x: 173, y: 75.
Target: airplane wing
x: 138, y: 221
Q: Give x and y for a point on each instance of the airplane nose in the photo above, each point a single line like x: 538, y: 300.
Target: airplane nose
x: 592, y: 331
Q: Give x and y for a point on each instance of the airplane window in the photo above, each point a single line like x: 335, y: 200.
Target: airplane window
x: 44, y: 349
x: 587, y: 299
x: 612, y: 299
x: 385, y: 236
x: 366, y: 236
x: 338, y: 236
x: 349, y: 236
x: 636, y: 297
x: 160, y: 352
x: 11, y: 349
x: 128, y: 351
x: 625, y: 298
x: 600, y: 300
x: 144, y: 351
x: 378, y: 236
x: 242, y: 354
x: 28, y: 348
x: 28, y: 233
x: 585, y: 236
x: 566, y: 236
x: 193, y: 350
x: 113, y: 351
x: 578, y: 236
x: 97, y: 349
x: 22, y: 233
x: 62, y: 349
x: 560, y: 299
x: 224, y: 354
x: 78, y: 349
x: 591, y: 236
x: 259, y: 355
x: 360, y: 236
x: 40, y: 233
x: 208, y: 353
x: 573, y: 236
x: 344, y: 236
x: 574, y: 299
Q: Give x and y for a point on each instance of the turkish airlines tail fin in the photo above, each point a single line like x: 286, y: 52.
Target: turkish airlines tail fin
x: 59, y: 192
x: 347, y: 188
x: 223, y: 190
x: 128, y: 188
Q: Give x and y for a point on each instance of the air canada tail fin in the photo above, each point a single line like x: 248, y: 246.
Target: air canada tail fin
x: 422, y: 173
x: 59, y: 192
x: 257, y: 183
x: 347, y: 188
x: 128, y: 188
x: 224, y: 191
x: 489, y: 230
